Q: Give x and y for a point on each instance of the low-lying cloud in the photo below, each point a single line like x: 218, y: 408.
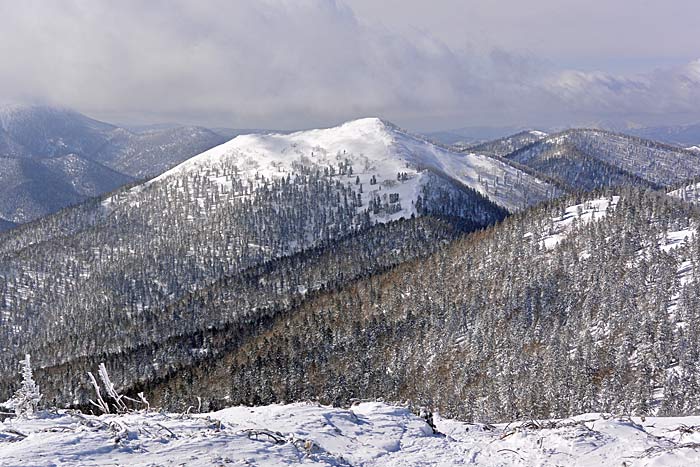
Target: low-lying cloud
x: 649, y: 96
x: 301, y: 63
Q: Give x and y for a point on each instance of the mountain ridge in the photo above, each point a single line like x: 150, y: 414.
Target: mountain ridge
x: 591, y: 158
x: 502, y: 323
x: 47, y: 136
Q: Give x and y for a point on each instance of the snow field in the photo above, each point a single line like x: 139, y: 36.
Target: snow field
x: 367, y: 434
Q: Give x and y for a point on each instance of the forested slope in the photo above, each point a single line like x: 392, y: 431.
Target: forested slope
x: 585, y: 159
x: 553, y: 312
x: 132, y: 277
x: 501, y: 147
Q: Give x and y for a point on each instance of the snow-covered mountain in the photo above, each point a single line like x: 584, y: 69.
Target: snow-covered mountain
x: 249, y: 284
x: 298, y: 212
x: 366, y: 434
x: 384, y: 158
x: 504, y: 146
x: 584, y: 159
x: 331, y: 265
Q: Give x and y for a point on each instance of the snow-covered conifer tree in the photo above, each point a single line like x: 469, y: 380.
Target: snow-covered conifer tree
x: 26, y: 399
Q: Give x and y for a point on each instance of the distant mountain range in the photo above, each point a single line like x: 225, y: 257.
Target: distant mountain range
x: 585, y: 159
x: 33, y: 187
x: 52, y: 158
x: 146, y: 154
x: 471, y: 135
x: 680, y: 135
x: 503, y: 146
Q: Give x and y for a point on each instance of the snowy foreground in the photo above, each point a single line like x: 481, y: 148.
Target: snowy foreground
x: 368, y: 434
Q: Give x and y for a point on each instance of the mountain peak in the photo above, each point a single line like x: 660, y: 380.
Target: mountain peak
x: 369, y: 127
x: 48, y: 117
x: 369, y: 123
x: 378, y: 152
x: 365, y: 121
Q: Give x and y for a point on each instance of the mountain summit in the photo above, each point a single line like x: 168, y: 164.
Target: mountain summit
x: 382, y: 155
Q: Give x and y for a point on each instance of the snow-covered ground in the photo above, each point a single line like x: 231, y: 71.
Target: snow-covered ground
x: 375, y: 149
x: 579, y: 214
x: 367, y: 434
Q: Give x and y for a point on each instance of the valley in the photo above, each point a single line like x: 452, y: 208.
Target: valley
x: 349, y: 233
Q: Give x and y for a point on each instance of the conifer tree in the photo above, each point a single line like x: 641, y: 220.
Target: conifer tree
x: 26, y: 399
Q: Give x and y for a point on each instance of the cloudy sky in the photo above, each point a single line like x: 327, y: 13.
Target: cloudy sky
x: 425, y: 65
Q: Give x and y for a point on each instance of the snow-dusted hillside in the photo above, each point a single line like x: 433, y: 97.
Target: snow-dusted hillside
x: 584, y: 159
x: 383, y: 158
x: 31, y: 188
x: 573, y: 216
x: 149, y: 153
x: 367, y: 434
x: 51, y: 158
x: 524, y: 309
x: 504, y: 146
x: 235, y: 210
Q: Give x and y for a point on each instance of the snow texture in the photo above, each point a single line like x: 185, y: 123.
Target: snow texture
x: 689, y: 193
x: 367, y: 434
x: 375, y: 148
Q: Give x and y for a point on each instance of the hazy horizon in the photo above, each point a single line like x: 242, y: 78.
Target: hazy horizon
x: 286, y: 65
